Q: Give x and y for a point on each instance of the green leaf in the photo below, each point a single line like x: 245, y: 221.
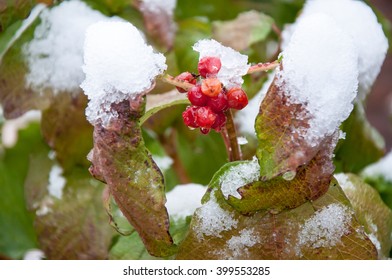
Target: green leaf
x: 120, y: 159
x: 66, y: 130
x: 246, y: 29
x: 309, y: 183
x: 323, y: 229
x: 158, y: 102
x: 371, y: 212
x: 16, y: 224
x: 13, y: 11
x: 360, y: 136
x: 132, y: 248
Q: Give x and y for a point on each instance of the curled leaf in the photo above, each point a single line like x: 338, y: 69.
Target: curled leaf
x: 120, y: 159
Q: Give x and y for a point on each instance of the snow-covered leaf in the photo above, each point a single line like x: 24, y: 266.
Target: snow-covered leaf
x: 323, y: 229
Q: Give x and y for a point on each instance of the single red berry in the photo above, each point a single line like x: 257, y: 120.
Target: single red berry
x: 189, y: 116
x: 209, y: 66
x: 219, y: 122
x: 185, y: 77
x: 205, y: 130
x: 237, y: 98
x: 204, y: 117
x: 218, y: 103
x: 196, y: 97
x: 211, y: 87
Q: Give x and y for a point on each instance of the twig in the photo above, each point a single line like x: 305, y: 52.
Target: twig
x: 262, y: 67
x: 175, y: 82
x: 229, y: 135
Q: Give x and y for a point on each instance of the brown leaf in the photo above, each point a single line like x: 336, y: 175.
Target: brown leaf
x: 121, y: 159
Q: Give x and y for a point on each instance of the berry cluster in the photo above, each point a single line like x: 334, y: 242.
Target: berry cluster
x: 209, y: 99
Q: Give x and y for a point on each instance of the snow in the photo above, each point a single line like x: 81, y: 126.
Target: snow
x: 344, y: 182
x: 213, y: 219
x: 238, y: 176
x: 56, y: 181
x: 25, y: 24
x: 238, y: 245
x: 382, y: 168
x: 10, y: 128
x: 242, y: 140
x: 320, y: 72
x: 163, y: 162
x: 34, y: 254
x: 234, y: 64
x: 183, y: 200
x: 157, y: 6
x: 326, y: 227
x: 247, y: 116
x: 361, y: 24
x: 118, y: 66
x: 55, y: 55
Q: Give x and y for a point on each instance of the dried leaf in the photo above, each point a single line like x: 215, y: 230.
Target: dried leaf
x: 248, y: 28
x: 291, y: 234
x: 121, y: 160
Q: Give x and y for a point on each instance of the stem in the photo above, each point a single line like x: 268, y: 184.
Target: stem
x: 262, y: 67
x: 175, y: 82
x: 229, y: 135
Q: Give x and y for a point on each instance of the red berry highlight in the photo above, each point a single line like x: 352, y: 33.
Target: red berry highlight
x: 189, y: 117
x: 209, y: 66
x: 205, y: 130
x: 196, y: 97
x: 204, y: 117
x: 211, y: 87
x: 237, y: 98
x: 218, y: 103
x: 185, y: 77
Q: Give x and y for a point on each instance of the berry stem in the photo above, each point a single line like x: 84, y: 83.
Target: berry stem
x: 175, y: 82
x: 262, y: 67
x: 229, y: 135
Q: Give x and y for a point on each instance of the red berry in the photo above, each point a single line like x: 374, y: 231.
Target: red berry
x: 204, y: 117
x: 196, y: 97
x: 219, y: 122
x: 211, y: 87
x: 237, y: 98
x: 185, y: 77
x: 209, y: 66
x: 189, y: 117
x: 219, y: 103
x: 205, y: 130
